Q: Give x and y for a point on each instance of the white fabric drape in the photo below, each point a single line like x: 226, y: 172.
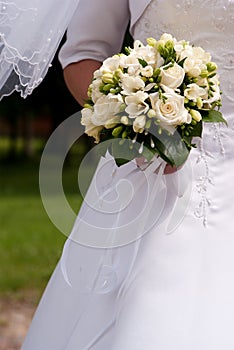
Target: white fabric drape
x: 30, y: 32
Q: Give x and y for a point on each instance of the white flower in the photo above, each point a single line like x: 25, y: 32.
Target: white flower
x: 170, y: 112
x: 96, y: 94
x: 147, y: 53
x: 136, y: 104
x: 166, y: 37
x: 147, y: 71
x: 201, y: 54
x: 139, y: 123
x: 97, y: 74
x: 215, y: 91
x: 216, y: 95
x: 183, y: 50
x: 90, y: 128
x: 193, y: 67
x: 193, y: 92
x: 180, y: 47
x: 106, y: 108
x: 196, y: 60
x: 110, y: 65
x: 131, y: 63
x: 172, y: 76
x: 131, y: 84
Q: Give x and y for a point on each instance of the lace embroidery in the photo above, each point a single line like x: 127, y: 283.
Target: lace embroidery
x: 202, y: 185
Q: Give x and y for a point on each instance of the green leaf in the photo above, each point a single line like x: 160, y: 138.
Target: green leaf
x: 172, y: 148
x: 181, y: 62
x: 213, y: 116
x: 196, y: 130
x: 142, y: 62
x: 122, y: 152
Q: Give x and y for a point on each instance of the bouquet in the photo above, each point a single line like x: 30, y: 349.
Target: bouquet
x: 154, y: 98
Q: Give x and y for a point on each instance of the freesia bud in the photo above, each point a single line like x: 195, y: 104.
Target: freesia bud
x: 204, y: 73
x: 199, y: 103
x: 148, y: 124
x: 107, y: 87
x: 151, y: 113
x: 116, y: 132
x: 160, y: 44
x: 87, y: 105
x: 118, y: 72
x: 151, y: 41
x: 108, y: 78
x: 124, y: 134
x: 124, y: 120
x: 195, y: 115
x: 211, y: 66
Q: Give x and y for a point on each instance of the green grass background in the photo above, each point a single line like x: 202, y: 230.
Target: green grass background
x: 30, y: 245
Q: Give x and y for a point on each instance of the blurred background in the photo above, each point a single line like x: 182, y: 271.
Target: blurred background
x: 30, y: 245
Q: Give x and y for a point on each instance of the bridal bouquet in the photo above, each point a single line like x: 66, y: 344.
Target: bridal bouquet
x: 155, y: 97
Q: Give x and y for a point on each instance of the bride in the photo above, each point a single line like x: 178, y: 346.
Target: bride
x: 157, y: 291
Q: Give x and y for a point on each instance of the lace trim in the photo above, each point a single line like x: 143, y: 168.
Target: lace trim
x: 202, y: 185
x: 204, y: 182
x: 29, y: 38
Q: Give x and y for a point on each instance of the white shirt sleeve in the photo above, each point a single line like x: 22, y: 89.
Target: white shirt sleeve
x: 96, y: 31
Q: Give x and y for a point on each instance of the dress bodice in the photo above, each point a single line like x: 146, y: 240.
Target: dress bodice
x: 206, y: 23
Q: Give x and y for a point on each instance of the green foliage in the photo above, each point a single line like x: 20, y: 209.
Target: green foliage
x: 213, y: 116
x: 30, y: 245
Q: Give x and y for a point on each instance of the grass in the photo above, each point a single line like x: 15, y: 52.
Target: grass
x: 30, y: 245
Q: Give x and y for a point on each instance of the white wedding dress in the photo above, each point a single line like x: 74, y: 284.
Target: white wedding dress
x: 171, y: 288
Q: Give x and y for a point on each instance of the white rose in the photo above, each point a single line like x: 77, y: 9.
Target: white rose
x: 139, y: 123
x: 90, y: 128
x: 131, y: 84
x: 170, y: 112
x: 172, y: 76
x: 193, y: 92
x: 136, y: 104
x: 105, y: 108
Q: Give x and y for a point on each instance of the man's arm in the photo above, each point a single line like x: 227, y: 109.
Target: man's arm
x: 78, y: 76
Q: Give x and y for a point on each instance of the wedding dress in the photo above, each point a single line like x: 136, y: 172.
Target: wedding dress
x: 173, y: 286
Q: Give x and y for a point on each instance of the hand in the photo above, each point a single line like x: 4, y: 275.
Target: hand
x: 168, y: 168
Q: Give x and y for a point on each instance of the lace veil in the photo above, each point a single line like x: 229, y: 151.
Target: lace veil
x: 30, y: 32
